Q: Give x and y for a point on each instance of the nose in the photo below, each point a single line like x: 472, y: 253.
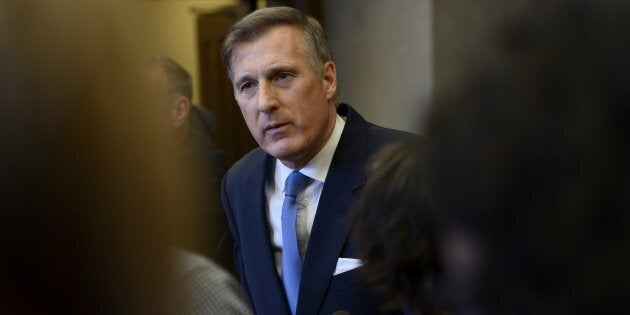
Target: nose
x: 267, y: 98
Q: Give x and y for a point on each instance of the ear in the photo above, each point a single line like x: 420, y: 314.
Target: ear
x: 181, y: 110
x: 330, y: 79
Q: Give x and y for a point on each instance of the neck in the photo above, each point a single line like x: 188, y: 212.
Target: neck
x: 296, y: 164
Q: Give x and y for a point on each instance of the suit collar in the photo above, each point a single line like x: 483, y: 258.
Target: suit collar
x: 261, y: 262
x: 351, y: 153
x: 331, y: 226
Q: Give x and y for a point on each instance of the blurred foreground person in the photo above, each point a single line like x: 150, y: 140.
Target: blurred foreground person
x: 395, y: 229
x: 88, y: 197
x: 529, y: 165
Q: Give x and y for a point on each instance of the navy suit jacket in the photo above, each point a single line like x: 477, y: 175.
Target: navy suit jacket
x: 243, y: 194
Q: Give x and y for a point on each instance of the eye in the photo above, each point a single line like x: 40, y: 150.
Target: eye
x: 283, y: 76
x: 245, y: 86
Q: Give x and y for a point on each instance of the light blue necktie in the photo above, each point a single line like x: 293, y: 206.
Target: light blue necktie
x: 291, y: 261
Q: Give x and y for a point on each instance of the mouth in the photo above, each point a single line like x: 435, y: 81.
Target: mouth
x: 275, y: 127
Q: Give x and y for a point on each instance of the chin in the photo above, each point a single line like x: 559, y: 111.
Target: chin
x: 284, y: 155
x: 283, y: 151
x: 279, y: 150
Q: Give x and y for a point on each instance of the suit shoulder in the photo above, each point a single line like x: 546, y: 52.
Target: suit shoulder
x: 251, y: 162
x: 379, y: 137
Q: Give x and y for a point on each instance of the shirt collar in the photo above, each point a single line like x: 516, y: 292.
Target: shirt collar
x: 317, y: 167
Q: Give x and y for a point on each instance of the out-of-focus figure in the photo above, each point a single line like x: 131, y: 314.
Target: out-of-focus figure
x: 529, y: 169
x: 394, y: 226
x: 192, y: 127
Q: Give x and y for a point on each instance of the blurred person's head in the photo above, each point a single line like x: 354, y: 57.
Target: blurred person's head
x: 88, y: 203
x: 394, y: 227
x: 173, y: 89
x: 284, y: 81
x: 170, y: 90
x: 529, y: 166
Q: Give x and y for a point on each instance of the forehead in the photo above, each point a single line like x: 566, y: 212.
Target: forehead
x: 279, y: 44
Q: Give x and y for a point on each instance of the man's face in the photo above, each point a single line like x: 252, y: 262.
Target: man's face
x: 287, y: 106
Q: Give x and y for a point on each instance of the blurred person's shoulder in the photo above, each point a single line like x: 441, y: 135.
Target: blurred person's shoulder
x: 190, y: 264
x: 380, y: 137
x: 377, y: 136
x: 203, y: 287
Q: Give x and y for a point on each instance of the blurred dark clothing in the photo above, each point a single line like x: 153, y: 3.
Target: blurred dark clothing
x: 207, y: 162
x: 207, y: 167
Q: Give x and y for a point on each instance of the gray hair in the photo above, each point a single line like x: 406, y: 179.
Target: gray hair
x: 179, y: 79
x: 257, y: 23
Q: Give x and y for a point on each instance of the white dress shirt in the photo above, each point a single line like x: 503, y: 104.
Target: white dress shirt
x: 308, y: 200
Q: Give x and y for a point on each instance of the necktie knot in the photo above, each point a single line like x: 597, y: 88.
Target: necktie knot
x: 296, y: 182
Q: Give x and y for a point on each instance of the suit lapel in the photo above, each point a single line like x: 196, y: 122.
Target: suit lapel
x: 262, y: 276
x: 331, y: 225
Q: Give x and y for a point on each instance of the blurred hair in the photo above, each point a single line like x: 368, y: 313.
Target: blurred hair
x: 179, y: 79
x: 394, y: 228
x: 531, y: 156
x: 250, y: 28
x: 88, y: 199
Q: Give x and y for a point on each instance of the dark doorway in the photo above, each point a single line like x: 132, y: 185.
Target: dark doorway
x: 231, y: 133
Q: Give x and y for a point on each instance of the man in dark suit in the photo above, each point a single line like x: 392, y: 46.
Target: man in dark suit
x: 287, y: 201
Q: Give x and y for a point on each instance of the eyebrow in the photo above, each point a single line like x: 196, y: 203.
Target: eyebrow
x: 275, y: 70
x: 270, y: 72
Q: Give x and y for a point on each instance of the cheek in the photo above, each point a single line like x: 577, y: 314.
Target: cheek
x: 251, y: 119
x: 315, y: 117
